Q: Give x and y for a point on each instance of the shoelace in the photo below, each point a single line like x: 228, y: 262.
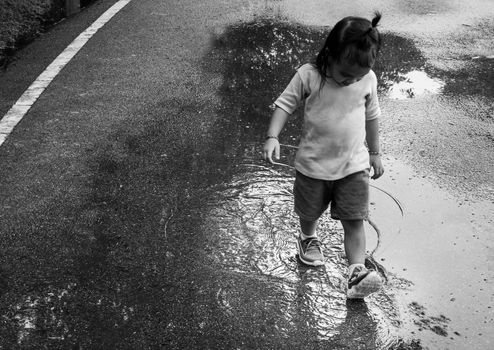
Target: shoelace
x: 313, y: 242
x: 357, y: 275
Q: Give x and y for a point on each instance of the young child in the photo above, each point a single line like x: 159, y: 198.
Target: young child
x: 333, y: 163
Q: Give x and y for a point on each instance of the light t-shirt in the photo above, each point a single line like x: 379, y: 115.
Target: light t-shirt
x: 332, y: 145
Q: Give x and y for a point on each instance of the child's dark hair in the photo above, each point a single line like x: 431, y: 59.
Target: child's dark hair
x: 354, y: 39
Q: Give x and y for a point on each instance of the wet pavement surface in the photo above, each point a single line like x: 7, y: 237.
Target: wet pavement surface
x: 136, y: 212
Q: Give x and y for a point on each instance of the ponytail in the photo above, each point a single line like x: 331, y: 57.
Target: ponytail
x: 372, y: 31
x: 376, y: 19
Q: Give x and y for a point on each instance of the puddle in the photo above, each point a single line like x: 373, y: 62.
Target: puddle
x: 250, y: 230
x: 413, y: 84
x: 251, y: 236
x: 402, y: 70
x: 437, y: 230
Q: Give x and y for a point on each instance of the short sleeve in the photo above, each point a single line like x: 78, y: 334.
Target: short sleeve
x: 372, y: 109
x: 293, y: 95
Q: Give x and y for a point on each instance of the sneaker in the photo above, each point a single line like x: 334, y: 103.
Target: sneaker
x: 363, y: 282
x: 310, y: 252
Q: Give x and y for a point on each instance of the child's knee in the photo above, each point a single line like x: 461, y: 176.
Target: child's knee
x: 352, y: 225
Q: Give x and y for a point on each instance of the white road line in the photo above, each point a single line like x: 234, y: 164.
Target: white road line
x: 29, y: 97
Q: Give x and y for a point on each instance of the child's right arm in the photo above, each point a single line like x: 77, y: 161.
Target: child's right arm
x: 272, y: 144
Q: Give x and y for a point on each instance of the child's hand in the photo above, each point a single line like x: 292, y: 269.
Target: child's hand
x: 271, y: 145
x: 376, y: 164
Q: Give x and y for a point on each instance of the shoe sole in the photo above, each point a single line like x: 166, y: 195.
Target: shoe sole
x: 307, y: 262
x: 370, y: 284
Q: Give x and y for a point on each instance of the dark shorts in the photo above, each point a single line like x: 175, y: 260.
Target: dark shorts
x: 349, y: 197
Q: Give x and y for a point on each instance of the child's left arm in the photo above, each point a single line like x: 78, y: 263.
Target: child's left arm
x: 372, y: 138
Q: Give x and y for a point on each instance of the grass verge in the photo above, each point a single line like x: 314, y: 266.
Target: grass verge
x: 21, y: 21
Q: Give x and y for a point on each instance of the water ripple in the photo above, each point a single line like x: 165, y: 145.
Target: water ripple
x: 257, y: 227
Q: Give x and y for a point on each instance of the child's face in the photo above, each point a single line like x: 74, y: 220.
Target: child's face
x: 345, y: 74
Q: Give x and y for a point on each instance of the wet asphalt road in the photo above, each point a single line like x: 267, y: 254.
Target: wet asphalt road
x: 136, y: 213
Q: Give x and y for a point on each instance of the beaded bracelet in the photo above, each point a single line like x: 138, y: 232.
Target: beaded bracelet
x: 272, y: 137
x: 374, y: 153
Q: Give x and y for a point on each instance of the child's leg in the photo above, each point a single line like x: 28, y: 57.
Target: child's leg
x: 351, y: 207
x: 361, y: 282
x: 354, y: 240
x: 311, y: 200
x: 351, y: 196
x: 309, y: 246
x: 308, y: 227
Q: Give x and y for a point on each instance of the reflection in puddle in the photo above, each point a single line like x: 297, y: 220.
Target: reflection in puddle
x: 413, y: 84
